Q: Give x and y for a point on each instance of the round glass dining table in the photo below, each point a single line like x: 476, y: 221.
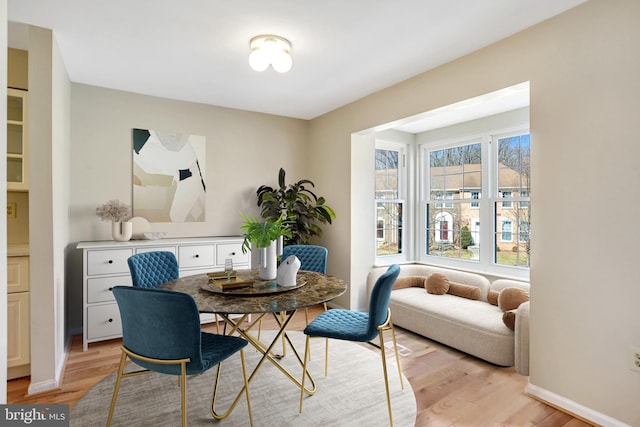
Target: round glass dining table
x: 259, y: 296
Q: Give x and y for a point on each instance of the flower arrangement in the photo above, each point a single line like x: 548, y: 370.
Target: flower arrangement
x: 114, y: 211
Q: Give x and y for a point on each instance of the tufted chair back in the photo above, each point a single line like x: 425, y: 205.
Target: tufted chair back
x: 150, y: 269
x: 312, y: 257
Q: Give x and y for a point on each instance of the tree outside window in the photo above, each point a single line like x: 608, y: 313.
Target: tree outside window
x: 389, y: 203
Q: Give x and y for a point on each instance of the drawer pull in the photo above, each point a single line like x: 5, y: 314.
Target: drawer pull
x: 110, y: 261
x: 233, y: 254
x: 110, y: 320
x: 197, y: 256
x: 110, y: 289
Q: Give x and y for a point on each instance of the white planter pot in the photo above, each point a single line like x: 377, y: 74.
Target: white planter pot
x: 268, y: 260
x: 122, y: 231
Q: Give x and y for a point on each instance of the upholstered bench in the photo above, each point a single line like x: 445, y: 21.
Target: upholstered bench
x: 474, y: 326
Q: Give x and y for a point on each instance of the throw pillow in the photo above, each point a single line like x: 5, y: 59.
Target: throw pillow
x: 437, y: 284
x: 511, y: 298
x: 409, y: 282
x: 464, y: 291
x: 492, y: 297
x: 509, y: 319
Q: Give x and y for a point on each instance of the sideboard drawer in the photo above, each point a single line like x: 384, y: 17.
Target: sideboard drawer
x: 171, y: 249
x: 231, y: 251
x: 196, y: 256
x: 99, y: 289
x: 103, y: 321
x: 108, y: 261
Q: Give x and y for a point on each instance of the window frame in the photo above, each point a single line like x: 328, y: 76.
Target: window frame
x: 404, y: 198
x: 489, y: 195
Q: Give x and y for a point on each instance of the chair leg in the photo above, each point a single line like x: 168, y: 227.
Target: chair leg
x: 395, y: 349
x: 123, y: 359
x: 326, y: 357
x: 183, y: 389
x: 224, y: 415
x: 246, y: 385
x: 304, y: 370
x: 386, y: 378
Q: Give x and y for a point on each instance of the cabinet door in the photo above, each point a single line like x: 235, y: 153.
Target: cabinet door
x: 17, y: 148
x: 18, y: 331
x: 17, y: 274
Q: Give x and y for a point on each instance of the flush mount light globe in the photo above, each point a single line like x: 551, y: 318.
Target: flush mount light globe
x: 270, y: 50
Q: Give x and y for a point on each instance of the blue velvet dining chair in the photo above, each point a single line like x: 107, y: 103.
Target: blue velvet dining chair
x: 349, y: 325
x: 180, y: 349
x: 151, y: 269
x: 312, y: 257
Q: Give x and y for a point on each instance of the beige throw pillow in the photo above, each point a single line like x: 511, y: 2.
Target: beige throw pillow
x: 409, y: 282
x: 437, y: 284
x: 464, y: 291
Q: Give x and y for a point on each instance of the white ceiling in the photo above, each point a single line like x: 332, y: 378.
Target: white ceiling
x: 197, y: 50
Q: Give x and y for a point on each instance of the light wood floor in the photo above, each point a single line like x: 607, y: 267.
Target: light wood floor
x: 451, y: 388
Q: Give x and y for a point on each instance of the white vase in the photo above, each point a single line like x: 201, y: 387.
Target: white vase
x: 122, y: 231
x: 268, y: 262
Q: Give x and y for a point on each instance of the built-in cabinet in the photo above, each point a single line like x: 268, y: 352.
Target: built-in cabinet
x: 18, y: 317
x: 105, y: 266
x: 17, y: 147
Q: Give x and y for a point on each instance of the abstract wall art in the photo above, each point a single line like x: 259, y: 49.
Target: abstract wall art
x: 169, y: 176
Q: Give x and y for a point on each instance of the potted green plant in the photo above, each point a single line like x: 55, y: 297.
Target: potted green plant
x: 297, y: 207
x: 266, y: 237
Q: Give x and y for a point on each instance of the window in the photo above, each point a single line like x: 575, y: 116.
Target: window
x: 506, y: 231
x: 453, y: 174
x: 506, y: 195
x: 452, y: 186
x: 389, y: 199
x: 514, y: 178
x: 475, y: 195
x: 461, y: 173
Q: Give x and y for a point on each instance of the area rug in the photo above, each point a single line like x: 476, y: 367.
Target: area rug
x: 353, y: 393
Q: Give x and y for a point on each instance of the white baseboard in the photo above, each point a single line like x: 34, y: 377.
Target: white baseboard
x: 57, y: 381
x: 42, y: 386
x: 572, y: 407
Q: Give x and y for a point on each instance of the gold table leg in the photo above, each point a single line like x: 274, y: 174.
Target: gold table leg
x: 266, y: 350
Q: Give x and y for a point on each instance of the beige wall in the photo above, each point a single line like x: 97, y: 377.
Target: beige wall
x: 49, y: 115
x: 583, y: 68
x: 243, y: 151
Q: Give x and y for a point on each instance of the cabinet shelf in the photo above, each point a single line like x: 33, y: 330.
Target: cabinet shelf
x: 17, y: 141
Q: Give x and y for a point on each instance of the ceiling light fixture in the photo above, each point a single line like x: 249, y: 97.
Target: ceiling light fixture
x: 270, y: 50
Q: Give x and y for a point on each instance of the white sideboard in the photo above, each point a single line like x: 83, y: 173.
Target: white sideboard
x: 104, y: 265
